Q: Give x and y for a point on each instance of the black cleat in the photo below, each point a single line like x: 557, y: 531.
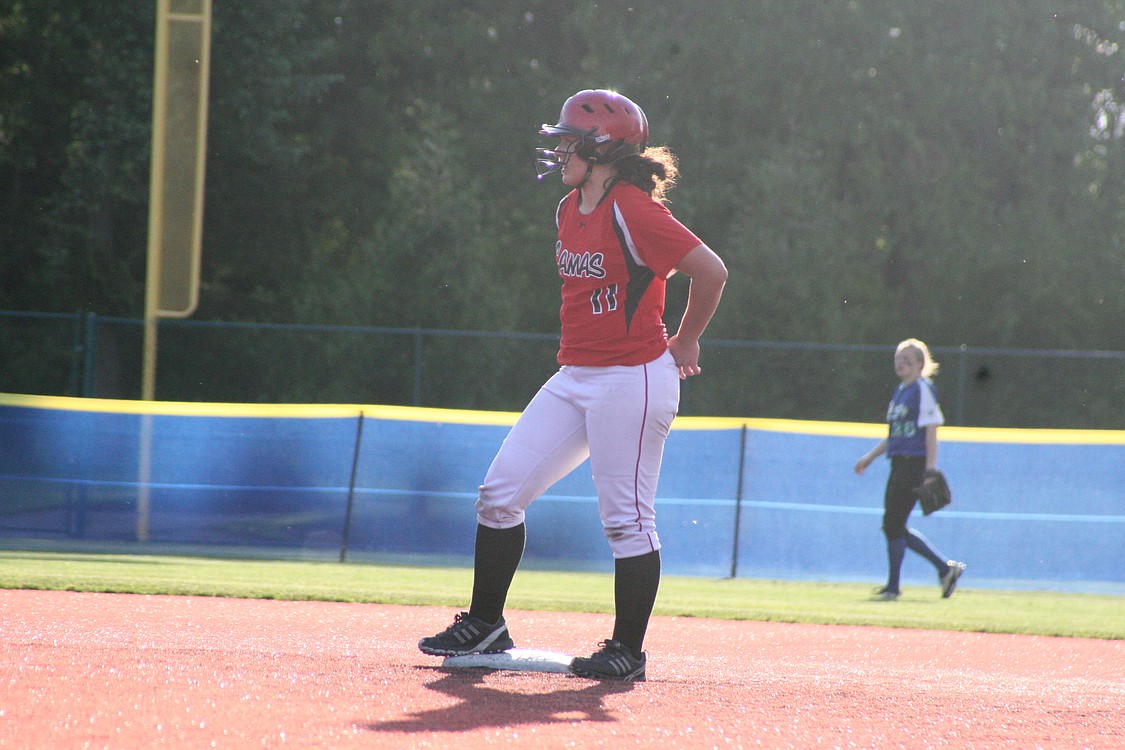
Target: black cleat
x: 468, y: 635
x: 612, y: 662
x: 949, y: 580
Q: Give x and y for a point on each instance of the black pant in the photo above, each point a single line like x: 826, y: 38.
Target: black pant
x: 907, y: 473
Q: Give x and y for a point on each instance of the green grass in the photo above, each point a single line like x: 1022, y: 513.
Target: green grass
x: 973, y: 610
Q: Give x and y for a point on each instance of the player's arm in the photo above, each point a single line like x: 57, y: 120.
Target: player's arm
x: 931, y: 445
x: 708, y: 277
x: 862, y: 464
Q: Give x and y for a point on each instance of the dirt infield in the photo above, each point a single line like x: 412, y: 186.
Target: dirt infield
x: 121, y: 671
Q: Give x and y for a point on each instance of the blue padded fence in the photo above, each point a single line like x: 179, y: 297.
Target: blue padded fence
x: 743, y: 497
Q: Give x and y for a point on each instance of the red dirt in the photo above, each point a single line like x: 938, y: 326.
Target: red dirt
x: 122, y: 671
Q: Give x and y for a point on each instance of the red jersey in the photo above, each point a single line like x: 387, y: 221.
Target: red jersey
x: 614, y: 263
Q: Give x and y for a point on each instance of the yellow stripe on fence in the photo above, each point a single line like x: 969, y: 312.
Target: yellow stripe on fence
x: 468, y: 416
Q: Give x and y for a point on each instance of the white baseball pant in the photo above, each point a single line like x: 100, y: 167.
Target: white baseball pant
x: 619, y: 417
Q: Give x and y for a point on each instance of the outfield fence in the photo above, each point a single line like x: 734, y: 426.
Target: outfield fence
x: 738, y: 497
x: 95, y: 356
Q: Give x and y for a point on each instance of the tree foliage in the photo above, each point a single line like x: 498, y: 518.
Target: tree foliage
x: 869, y: 169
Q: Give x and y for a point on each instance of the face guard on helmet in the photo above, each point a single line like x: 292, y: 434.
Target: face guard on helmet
x: 606, y: 126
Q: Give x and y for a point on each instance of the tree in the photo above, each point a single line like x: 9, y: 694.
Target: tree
x: 75, y: 83
x: 869, y: 169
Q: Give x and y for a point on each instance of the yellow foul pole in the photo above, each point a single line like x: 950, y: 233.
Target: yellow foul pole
x: 181, y: 72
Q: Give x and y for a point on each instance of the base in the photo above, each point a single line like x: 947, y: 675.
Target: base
x: 518, y: 659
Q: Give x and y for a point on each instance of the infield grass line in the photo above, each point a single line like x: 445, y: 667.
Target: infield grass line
x: 971, y: 610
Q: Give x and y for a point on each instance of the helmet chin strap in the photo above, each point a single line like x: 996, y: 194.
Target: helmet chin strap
x: 586, y: 177
x: 591, y: 157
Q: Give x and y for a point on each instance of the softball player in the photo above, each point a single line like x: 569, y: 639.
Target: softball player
x: 617, y: 390
x: 913, y: 417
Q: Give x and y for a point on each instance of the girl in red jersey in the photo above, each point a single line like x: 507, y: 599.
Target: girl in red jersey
x: 617, y: 390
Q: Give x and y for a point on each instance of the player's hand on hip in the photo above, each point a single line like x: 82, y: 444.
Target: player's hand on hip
x: 686, y: 354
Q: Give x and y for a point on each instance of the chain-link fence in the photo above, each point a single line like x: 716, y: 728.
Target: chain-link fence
x: 95, y: 356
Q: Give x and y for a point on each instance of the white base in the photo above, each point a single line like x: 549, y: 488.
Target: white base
x: 519, y: 659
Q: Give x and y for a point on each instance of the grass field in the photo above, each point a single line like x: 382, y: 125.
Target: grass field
x: 971, y: 610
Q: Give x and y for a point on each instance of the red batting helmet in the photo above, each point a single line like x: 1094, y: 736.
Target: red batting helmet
x: 607, y: 125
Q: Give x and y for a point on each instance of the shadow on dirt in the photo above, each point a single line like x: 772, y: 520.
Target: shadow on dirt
x: 506, y: 701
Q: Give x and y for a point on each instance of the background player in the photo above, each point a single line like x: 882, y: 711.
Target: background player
x: 913, y: 417
x: 617, y: 390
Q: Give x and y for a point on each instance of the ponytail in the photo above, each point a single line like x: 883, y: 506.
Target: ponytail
x: 653, y: 171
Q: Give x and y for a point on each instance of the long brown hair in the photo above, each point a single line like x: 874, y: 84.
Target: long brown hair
x: 653, y: 171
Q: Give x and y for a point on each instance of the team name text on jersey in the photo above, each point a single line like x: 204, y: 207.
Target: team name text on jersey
x: 586, y: 265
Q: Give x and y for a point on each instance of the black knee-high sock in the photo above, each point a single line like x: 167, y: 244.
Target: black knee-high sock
x: 498, y: 554
x: 636, y: 580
